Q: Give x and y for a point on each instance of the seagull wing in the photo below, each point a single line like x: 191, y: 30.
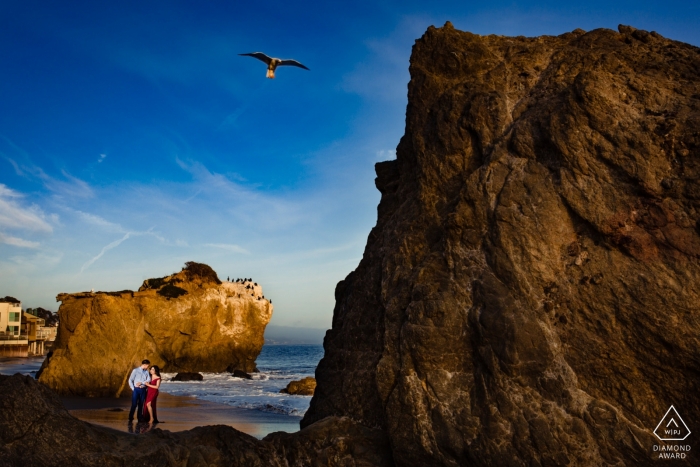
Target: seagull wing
x: 260, y: 56
x: 293, y: 63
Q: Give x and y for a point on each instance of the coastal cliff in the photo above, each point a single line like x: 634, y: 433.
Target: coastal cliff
x: 530, y: 294
x: 185, y: 322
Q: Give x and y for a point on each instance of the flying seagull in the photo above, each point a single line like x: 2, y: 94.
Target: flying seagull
x: 273, y: 63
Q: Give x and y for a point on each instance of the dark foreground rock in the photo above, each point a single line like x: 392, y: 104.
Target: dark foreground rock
x: 303, y: 387
x: 188, y: 377
x: 530, y: 294
x: 241, y: 374
x: 35, y: 430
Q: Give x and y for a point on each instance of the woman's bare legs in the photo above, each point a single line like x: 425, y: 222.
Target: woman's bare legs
x: 150, y: 412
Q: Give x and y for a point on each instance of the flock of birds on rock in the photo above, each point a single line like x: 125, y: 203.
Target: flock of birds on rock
x: 248, y: 281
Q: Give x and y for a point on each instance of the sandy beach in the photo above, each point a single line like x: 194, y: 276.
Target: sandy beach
x: 179, y: 413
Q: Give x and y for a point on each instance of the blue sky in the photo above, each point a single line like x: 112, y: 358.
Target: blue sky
x: 133, y: 137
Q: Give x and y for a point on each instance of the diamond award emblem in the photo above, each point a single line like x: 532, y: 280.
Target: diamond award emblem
x: 672, y: 427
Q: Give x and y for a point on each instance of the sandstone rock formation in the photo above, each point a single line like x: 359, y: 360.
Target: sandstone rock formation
x: 186, y: 322
x: 303, y: 387
x: 530, y: 294
x: 36, y: 430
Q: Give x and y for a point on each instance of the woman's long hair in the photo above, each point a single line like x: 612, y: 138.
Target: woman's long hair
x: 156, y: 369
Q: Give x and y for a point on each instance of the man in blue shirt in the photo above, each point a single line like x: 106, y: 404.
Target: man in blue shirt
x: 139, y: 376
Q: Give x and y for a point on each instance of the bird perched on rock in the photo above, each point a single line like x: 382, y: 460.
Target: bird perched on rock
x: 273, y: 63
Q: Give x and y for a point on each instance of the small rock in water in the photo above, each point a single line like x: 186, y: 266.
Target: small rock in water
x: 303, y: 387
x: 241, y: 374
x: 188, y: 377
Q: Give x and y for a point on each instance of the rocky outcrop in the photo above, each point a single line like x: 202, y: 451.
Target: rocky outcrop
x: 35, y: 429
x: 530, y: 294
x: 186, y: 322
x: 303, y: 387
x: 188, y: 377
x: 241, y: 374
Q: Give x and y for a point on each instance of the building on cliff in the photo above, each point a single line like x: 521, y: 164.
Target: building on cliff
x: 13, y: 343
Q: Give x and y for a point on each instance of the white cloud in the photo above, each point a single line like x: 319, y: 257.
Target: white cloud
x: 228, y: 247
x: 386, y: 154
x: 15, y: 216
x: 97, y: 220
x: 248, y: 205
x: 70, y: 187
x: 102, y: 157
x: 14, y: 241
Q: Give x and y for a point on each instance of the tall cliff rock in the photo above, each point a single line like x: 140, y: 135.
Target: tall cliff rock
x: 189, y: 321
x: 530, y: 294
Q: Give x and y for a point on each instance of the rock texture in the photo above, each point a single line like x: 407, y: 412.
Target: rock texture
x: 186, y: 322
x: 530, y: 294
x: 303, y: 387
x: 241, y: 374
x: 187, y: 377
x: 36, y: 430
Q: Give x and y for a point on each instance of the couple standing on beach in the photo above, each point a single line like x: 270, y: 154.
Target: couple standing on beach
x: 144, y: 383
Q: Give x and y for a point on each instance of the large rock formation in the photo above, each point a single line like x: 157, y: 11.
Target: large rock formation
x: 530, y: 294
x: 186, y: 322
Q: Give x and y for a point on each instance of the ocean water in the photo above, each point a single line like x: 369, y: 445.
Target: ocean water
x: 278, y: 365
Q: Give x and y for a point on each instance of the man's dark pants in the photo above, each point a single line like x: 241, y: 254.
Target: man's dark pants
x: 138, y: 397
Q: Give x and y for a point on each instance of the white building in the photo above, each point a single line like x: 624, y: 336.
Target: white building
x: 12, y: 342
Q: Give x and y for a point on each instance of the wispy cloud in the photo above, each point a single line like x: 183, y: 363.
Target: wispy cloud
x: 246, y: 203
x: 67, y: 186
x: 386, y: 154
x: 228, y: 247
x: 14, y: 241
x: 70, y: 187
x: 97, y: 220
x: 384, y: 73
x: 115, y: 244
x: 101, y: 158
x: 16, y: 216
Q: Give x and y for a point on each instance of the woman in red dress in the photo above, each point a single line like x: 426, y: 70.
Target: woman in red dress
x: 152, y: 394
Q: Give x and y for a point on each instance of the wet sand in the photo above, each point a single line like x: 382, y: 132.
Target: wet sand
x: 178, y: 413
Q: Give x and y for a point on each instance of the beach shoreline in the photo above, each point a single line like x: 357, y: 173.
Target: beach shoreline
x: 180, y: 413
x: 177, y: 412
